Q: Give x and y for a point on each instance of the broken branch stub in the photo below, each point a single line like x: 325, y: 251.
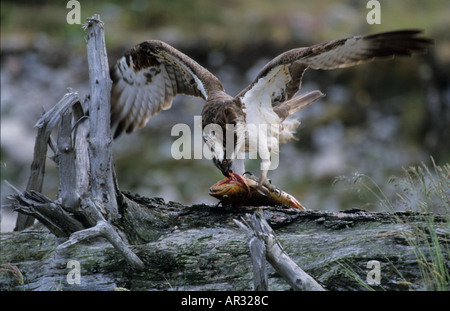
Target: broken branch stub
x: 256, y: 227
x: 87, y: 199
x: 45, y: 126
x: 101, y: 177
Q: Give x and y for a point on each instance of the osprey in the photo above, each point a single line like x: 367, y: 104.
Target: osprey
x: 151, y: 74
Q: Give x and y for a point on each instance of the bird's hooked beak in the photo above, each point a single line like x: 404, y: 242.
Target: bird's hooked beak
x: 225, y: 167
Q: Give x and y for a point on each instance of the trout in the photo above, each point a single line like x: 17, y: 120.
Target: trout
x: 239, y: 190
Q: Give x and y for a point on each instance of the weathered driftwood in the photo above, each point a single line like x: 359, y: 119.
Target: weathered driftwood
x: 87, y: 201
x: 264, y: 244
x: 200, y: 247
x: 45, y: 126
x: 102, y: 184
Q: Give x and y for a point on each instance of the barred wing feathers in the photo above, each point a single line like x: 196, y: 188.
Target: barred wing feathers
x: 148, y: 77
x: 281, y: 78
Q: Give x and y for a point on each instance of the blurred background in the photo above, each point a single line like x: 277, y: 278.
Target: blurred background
x: 376, y: 119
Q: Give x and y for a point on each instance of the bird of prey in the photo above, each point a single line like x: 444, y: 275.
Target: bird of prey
x: 148, y: 77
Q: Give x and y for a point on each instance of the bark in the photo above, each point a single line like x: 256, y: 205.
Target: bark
x: 43, y: 138
x: 199, y: 247
x: 264, y: 244
x: 102, y: 185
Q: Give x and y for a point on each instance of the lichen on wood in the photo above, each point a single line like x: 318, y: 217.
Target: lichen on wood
x: 199, y: 247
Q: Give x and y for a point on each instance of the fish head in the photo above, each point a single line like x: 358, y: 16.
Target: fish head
x: 232, y: 189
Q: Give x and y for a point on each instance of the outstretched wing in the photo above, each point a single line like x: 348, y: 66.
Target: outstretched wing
x: 148, y: 77
x: 281, y: 78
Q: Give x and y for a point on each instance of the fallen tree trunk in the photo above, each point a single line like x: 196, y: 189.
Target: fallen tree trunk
x: 199, y: 247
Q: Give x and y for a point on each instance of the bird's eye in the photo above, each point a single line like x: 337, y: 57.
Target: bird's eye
x: 224, y: 162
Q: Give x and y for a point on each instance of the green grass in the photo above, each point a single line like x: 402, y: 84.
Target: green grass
x: 427, y: 191
x: 13, y: 273
x: 418, y: 189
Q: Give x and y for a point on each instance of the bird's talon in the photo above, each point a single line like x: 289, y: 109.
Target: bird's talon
x: 262, y: 191
x: 266, y: 183
x: 278, y: 190
x: 249, y: 175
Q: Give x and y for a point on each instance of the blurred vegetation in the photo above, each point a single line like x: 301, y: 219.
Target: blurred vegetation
x: 375, y: 119
x: 219, y: 21
x: 425, y: 189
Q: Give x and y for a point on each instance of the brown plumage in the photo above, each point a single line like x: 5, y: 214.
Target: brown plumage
x: 150, y: 75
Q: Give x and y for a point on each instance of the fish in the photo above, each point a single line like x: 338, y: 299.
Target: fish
x: 239, y: 190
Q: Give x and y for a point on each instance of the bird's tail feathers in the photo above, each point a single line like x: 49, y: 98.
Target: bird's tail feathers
x: 297, y: 103
x: 289, y: 125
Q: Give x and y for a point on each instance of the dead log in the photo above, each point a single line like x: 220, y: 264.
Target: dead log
x: 87, y: 201
x: 45, y: 126
x: 264, y: 244
x: 199, y: 247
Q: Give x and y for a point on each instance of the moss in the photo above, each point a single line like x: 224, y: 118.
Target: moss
x: 36, y: 245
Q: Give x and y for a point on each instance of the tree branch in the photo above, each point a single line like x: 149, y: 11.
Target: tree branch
x: 80, y: 138
x: 257, y: 229
x: 66, y: 164
x: 87, y: 204
x: 106, y: 230
x: 45, y: 126
x: 101, y: 177
x: 48, y: 212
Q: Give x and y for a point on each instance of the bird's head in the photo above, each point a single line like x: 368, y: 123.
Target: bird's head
x: 224, y: 165
x: 218, y: 153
